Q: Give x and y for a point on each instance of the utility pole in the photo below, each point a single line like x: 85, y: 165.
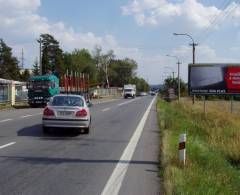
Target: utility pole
x: 193, y: 51
x: 22, y: 60
x: 178, y: 63
x: 40, y: 56
x: 193, y: 44
x: 179, y: 90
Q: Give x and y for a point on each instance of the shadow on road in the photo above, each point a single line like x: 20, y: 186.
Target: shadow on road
x: 36, y: 131
x: 48, y: 160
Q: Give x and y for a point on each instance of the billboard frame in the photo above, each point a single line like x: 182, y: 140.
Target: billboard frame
x: 206, y: 65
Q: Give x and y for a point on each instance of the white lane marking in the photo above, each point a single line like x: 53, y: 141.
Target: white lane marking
x: 106, y: 109
x: 127, y: 102
x: 5, y: 120
x: 40, y: 113
x: 29, y: 115
x: 115, y: 181
x: 6, y: 145
x: 100, y: 102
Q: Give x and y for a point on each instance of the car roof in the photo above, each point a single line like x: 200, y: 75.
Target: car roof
x: 72, y: 95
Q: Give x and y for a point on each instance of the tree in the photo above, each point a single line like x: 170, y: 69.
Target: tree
x: 52, y: 54
x: 81, y: 61
x: 122, y: 71
x: 141, y: 84
x: 8, y: 64
x: 173, y: 83
x: 103, y: 62
x: 36, y: 69
x: 25, y: 75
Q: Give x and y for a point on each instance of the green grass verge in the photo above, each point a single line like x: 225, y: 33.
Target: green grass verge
x: 17, y: 106
x: 213, y: 150
x: 4, y: 106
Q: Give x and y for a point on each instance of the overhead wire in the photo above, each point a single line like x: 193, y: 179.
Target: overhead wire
x: 219, y: 18
x: 215, y: 18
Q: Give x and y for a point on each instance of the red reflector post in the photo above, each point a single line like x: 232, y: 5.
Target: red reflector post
x: 182, y: 148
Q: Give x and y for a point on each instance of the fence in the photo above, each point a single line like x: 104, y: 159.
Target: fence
x: 109, y: 92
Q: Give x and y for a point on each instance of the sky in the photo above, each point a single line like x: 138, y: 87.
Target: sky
x: 138, y: 29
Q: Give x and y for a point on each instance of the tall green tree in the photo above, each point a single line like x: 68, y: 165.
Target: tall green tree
x: 25, y: 75
x: 52, y: 54
x: 81, y: 61
x: 141, y: 84
x: 67, y: 61
x: 9, y: 68
x: 36, y: 69
x: 173, y: 83
x: 122, y: 71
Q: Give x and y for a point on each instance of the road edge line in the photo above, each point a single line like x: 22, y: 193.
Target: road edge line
x: 114, y: 183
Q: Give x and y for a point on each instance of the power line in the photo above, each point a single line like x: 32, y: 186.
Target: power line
x: 226, y: 11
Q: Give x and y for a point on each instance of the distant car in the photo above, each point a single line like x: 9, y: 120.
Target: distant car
x: 152, y: 93
x: 66, y: 111
x: 143, y: 94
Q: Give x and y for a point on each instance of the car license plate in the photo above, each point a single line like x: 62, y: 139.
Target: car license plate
x: 64, y: 113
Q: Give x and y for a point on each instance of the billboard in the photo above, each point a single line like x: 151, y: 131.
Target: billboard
x: 214, y: 79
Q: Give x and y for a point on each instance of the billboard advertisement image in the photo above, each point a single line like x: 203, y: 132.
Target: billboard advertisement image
x: 214, y: 79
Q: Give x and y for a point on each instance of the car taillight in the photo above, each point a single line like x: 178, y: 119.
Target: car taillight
x: 48, y: 112
x: 81, y: 113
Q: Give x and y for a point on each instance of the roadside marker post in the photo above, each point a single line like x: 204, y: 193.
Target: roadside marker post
x: 182, y: 148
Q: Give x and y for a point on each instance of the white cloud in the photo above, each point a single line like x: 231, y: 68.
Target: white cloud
x: 15, y: 7
x: 21, y: 25
x: 190, y: 12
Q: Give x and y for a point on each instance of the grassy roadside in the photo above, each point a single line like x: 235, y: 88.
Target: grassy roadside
x: 5, y: 106
x: 8, y: 106
x: 213, y: 149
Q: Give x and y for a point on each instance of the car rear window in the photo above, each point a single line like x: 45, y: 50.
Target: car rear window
x: 67, y: 101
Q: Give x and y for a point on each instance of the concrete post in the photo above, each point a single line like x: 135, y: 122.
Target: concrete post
x: 12, y: 93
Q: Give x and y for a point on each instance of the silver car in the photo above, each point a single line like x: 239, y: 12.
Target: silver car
x: 66, y: 111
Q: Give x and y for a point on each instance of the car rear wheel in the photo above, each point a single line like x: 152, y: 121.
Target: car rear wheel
x: 86, y: 130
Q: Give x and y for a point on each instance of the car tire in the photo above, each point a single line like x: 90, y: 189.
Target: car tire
x: 86, y: 130
x: 46, y: 129
x: 33, y: 105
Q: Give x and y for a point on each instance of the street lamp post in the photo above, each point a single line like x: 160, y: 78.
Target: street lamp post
x: 193, y: 44
x: 178, y: 63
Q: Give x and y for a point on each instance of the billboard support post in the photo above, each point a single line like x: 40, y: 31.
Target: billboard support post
x: 204, y: 105
x: 231, y: 104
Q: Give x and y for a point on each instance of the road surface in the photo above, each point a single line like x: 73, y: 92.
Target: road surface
x: 119, y: 156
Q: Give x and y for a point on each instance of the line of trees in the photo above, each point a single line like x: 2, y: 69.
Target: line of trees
x: 173, y: 84
x: 103, y: 68
x: 9, y: 65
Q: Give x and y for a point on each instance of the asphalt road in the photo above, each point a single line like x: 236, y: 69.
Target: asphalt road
x: 119, y: 156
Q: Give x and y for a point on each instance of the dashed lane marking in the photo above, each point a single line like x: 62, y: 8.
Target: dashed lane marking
x: 127, y: 102
x: 106, y: 109
x: 6, y: 145
x: 5, y: 120
x: 29, y: 115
